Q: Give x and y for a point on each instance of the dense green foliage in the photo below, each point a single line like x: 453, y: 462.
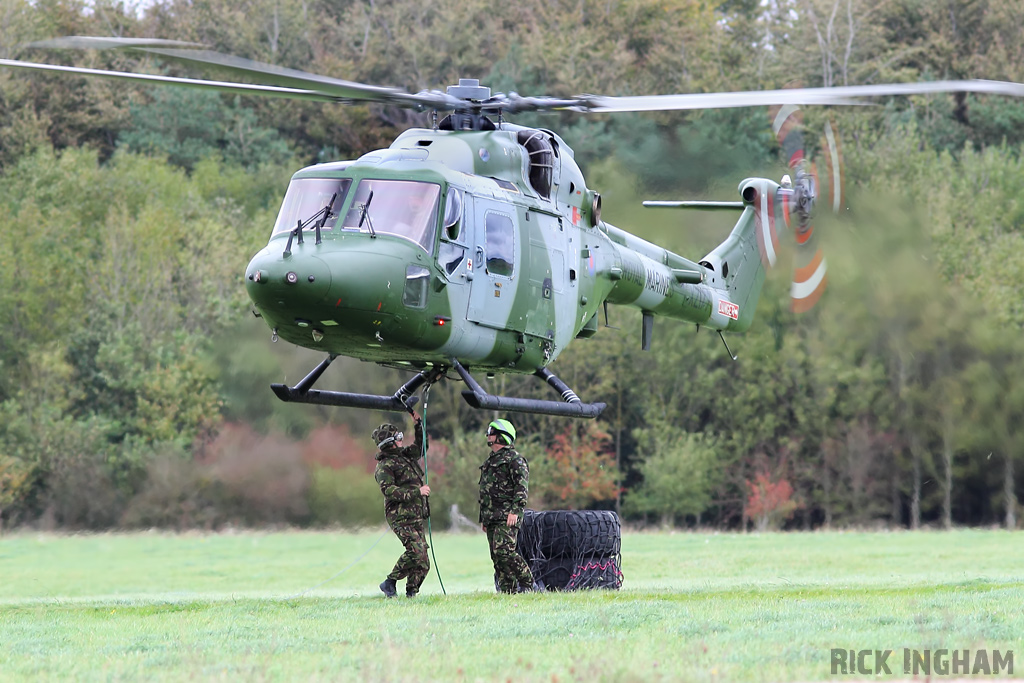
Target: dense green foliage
x: 133, y: 381
x: 305, y: 606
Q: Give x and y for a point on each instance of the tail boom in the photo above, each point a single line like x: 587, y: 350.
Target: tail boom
x: 723, y: 289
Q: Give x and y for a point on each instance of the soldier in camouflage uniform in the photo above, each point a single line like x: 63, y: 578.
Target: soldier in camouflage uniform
x: 400, y: 478
x: 504, y: 484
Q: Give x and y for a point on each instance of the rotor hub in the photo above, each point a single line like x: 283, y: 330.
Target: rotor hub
x: 469, y: 89
x: 805, y: 192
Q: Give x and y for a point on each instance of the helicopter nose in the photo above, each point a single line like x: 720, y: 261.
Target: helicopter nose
x: 277, y: 282
x: 357, y: 295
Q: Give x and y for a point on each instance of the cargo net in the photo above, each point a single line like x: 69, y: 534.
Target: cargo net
x: 572, y: 549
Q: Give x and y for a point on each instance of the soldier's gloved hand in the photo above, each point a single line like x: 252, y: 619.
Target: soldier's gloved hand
x: 424, y: 490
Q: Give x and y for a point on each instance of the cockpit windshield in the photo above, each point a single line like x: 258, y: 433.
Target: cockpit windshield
x: 405, y: 208
x: 307, y: 197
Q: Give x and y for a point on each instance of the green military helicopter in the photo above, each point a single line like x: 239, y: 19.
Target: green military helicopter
x: 476, y: 244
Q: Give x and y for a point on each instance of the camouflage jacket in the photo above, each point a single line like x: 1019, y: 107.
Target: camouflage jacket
x: 400, y: 477
x: 504, y: 485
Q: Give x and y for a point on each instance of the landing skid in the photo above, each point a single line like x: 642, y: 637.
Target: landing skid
x: 569, y: 406
x: 403, y: 399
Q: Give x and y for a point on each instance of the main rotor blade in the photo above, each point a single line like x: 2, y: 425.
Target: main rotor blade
x: 239, y: 88
x: 348, y: 91
x: 853, y: 94
x: 102, y: 43
x: 334, y: 89
x: 284, y: 82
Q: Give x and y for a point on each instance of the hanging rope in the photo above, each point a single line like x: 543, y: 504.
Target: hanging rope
x: 426, y: 482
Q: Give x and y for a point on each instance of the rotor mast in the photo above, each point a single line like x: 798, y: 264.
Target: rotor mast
x: 474, y: 95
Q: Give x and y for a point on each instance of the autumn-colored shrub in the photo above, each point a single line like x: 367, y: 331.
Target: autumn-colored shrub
x: 577, y: 469
x: 347, y: 497
x: 769, y: 503
x: 260, y: 479
x: 334, y: 447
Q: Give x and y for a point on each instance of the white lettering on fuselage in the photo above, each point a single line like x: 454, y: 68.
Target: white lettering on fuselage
x: 729, y: 309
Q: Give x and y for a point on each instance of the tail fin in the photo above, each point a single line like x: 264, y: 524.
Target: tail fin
x: 740, y: 262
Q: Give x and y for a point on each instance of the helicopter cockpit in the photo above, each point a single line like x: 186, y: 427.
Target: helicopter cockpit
x: 404, y: 208
x: 306, y: 197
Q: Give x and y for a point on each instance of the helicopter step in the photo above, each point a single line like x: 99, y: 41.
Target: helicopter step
x: 402, y: 400
x: 570, y: 406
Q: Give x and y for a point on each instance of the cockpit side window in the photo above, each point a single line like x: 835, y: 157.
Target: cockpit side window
x: 405, y: 208
x: 452, y: 251
x: 453, y: 214
x: 306, y: 198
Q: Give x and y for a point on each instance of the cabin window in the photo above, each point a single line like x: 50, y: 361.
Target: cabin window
x: 405, y: 208
x: 306, y: 197
x: 500, y: 244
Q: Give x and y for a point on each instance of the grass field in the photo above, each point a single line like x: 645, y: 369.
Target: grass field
x: 701, y: 607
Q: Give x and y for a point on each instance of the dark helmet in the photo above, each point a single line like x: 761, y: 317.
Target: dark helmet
x: 385, y: 435
x: 504, y: 429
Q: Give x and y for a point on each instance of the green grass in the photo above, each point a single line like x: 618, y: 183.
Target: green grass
x: 703, y: 607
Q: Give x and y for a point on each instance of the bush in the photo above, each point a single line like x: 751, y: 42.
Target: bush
x: 81, y: 493
x: 176, y: 495
x: 455, y: 477
x: 334, y: 447
x: 258, y: 479
x: 349, y: 497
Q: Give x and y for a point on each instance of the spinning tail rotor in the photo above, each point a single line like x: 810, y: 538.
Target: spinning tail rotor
x: 792, y: 201
x: 801, y: 191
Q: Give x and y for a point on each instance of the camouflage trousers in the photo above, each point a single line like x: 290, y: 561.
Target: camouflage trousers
x: 510, y: 570
x: 414, y: 562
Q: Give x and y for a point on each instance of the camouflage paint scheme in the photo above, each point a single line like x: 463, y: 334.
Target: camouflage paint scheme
x: 504, y: 486
x: 414, y: 563
x: 349, y: 289
x: 400, y: 477
x: 348, y: 295
x: 511, y: 573
x: 504, y: 489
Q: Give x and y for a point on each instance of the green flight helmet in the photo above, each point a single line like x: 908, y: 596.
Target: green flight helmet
x: 504, y: 429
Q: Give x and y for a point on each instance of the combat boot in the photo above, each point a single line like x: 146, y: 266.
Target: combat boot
x: 410, y: 594
x: 389, y: 588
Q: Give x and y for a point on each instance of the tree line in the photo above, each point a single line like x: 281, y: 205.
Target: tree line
x: 134, y: 383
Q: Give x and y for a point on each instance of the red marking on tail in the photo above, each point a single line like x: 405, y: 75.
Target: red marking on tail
x: 804, y: 274
x: 803, y: 233
x: 807, y: 303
